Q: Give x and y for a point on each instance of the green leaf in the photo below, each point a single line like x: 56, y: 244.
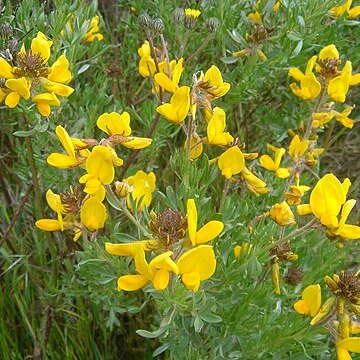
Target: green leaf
x: 294, y: 36
x: 198, y: 324
x: 211, y: 318
x: 297, y: 49
x: 153, y: 334
x: 83, y: 69
x: 230, y: 59
x: 161, y: 349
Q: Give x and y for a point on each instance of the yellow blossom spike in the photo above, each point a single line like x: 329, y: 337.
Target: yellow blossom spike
x: 298, y: 147
x: 178, y: 108
x: 93, y: 214
x: 133, y: 142
x: 195, y: 265
x: 231, y: 162
x: 354, y: 12
x: 341, y: 9
x: 310, y: 302
x: 56, y: 88
x: 92, y: 32
x: 343, y: 117
x: 127, y: 249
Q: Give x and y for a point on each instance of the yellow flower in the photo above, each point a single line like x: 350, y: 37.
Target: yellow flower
x: 231, y: 162
x: 274, y: 165
x: 294, y: 196
x: 255, y: 17
x: 346, y: 345
x: 196, y: 146
x: 143, y: 186
x: 207, y: 233
x: 147, y: 64
x: 196, y: 265
x: 93, y: 214
x: 341, y: 9
x: 282, y: 214
x: 30, y: 76
x: 192, y: 13
x: 213, y: 83
x: 310, y: 302
x: 170, y: 82
x: 216, y: 127
x: 100, y: 168
x: 321, y: 118
x: 327, y: 199
x: 354, y: 12
x: 244, y: 248
x: 309, y: 86
x: 298, y: 148
x: 129, y: 249
x: 253, y: 183
x: 118, y: 127
x: 92, y: 31
x: 343, y: 117
x: 44, y: 102
x: 157, y: 272
x: 63, y: 161
x: 339, y: 86
x: 178, y: 108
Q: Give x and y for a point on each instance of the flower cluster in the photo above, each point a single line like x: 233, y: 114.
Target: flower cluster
x: 29, y: 77
x: 182, y: 255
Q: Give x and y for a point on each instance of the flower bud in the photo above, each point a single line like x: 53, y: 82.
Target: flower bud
x: 178, y: 15
x: 145, y: 21
x: 212, y: 24
x: 5, y: 31
x: 158, y: 26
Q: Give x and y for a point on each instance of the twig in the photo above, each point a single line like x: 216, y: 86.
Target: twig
x: 15, y: 217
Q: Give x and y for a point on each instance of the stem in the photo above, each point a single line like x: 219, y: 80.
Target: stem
x: 120, y: 205
x: 39, y: 207
x: 316, y: 109
x: 292, y: 235
x: 199, y: 49
x: 224, y: 193
x: 183, y: 44
x: 328, y: 135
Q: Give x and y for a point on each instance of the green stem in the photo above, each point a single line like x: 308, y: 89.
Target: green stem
x: 223, y: 196
x: 119, y: 205
x: 200, y: 48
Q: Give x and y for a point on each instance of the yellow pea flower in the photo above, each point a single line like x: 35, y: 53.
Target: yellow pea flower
x: 196, y: 265
x: 63, y: 161
x: 294, y: 196
x: 178, y: 108
x: 93, y: 214
x: 216, y: 127
x: 309, y: 86
x: 170, y: 82
x: 44, y: 102
x: 327, y: 199
x: 339, y: 86
x: 40, y: 45
x: 92, y: 32
x: 310, y: 302
x: 192, y: 13
x: 157, y: 272
x: 17, y: 88
x: 343, y: 117
x: 321, y: 118
x: 100, y: 168
x: 244, y: 248
x: 341, y: 9
x: 213, y: 82
x: 118, y: 127
x: 253, y: 183
x: 274, y: 165
x: 143, y: 186
x: 354, y: 12
x: 147, y: 64
x: 129, y: 249
x: 346, y: 345
x: 231, y: 162
x: 207, y: 233
x: 59, y: 71
x: 298, y: 148
x: 282, y: 214
x: 196, y: 146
